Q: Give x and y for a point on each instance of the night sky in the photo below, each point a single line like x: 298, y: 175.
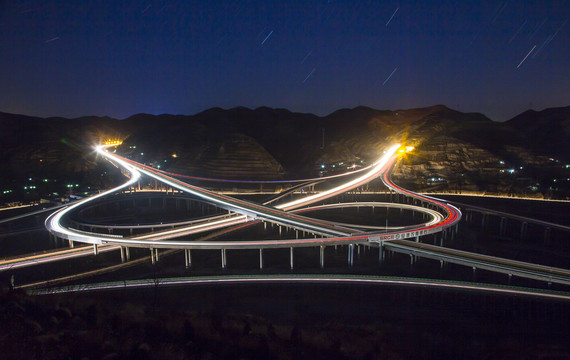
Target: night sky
x: 118, y: 58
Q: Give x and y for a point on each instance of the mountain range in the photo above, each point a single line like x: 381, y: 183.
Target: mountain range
x: 277, y: 143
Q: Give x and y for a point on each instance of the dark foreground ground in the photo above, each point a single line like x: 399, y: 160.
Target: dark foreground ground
x: 282, y: 322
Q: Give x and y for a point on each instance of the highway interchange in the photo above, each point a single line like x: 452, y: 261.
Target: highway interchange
x: 442, y: 217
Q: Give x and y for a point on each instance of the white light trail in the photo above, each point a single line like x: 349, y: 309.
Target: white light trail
x: 388, y: 78
x: 531, y: 50
x: 267, y: 37
x: 391, y: 17
x: 311, y: 73
x: 375, y: 171
x: 53, y: 221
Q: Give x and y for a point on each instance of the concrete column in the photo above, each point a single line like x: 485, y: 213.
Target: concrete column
x: 127, y: 253
x: 524, y: 227
x: 322, y: 257
x: 122, y: 250
x: 411, y: 259
x: 483, y: 220
x: 417, y: 239
x: 351, y: 254
x: 291, y: 257
x: 261, y: 259
x: 547, y: 234
x: 95, y: 249
x: 71, y: 244
x: 152, y: 260
x: 502, y: 225
x: 223, y: 251
x: 380, y: 252
x: 187, y: 258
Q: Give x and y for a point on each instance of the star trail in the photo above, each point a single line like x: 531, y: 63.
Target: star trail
x: 120, y: 58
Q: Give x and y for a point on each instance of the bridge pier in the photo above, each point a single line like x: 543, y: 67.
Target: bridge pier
x: 187, y: 258
x: 122, y: 251
x: 224, y: 259
x: 483, y: 220
x: 524, y: 227
x: 380, y: 252
x: 153, y: 255
x: 502, y: 226
x: 95, y: 249
x: 291, y: 257
x: 351, y: 254
x: 261, y: 259
x: 71, y: 244
x: 547, y: 234
x: 322, y: 257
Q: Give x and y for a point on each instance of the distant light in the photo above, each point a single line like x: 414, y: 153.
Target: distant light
x: 502, y: 162
x: 174, y: 155
x: 322, y: 166
x: 30, y: 179
x: 158, y: 166
x: 520, y: 168
x: 142, y: 154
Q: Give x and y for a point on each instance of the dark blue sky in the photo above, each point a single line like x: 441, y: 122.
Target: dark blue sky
x: 118, y: 58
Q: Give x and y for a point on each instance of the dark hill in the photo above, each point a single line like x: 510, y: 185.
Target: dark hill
x: 546, y: 131
x: 275, y: 143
